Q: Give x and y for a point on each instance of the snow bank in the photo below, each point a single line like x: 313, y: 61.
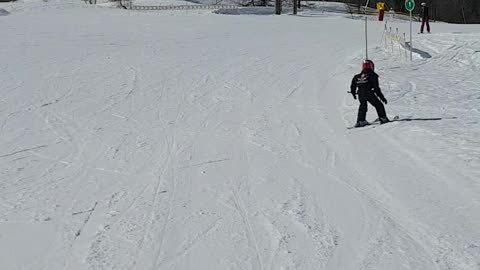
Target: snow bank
x: 247, y: 11
x: 34, y: 6
x: 162, y: 3
x: 331, y: 7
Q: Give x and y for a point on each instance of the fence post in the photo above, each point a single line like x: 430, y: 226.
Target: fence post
x: 386, y: 33
x: 391, y: 39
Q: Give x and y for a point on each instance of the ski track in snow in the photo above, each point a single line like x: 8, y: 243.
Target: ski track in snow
x: 179, y: 140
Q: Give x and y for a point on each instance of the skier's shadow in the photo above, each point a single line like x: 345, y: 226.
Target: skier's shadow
x: 422, y: 54
x: 423, y: 119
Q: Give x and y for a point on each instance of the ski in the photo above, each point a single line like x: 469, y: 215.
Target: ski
x: 377, y: 122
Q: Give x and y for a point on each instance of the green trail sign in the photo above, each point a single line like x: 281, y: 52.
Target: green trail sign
x: 409, y: 5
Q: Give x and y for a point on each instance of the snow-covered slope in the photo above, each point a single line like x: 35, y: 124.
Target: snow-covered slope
x: 193, y: 140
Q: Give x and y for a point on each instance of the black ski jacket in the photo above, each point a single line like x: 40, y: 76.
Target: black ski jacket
x: 366, y: 82
x: 424, y: 13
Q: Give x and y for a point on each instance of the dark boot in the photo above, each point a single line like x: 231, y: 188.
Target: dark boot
x: 383, y: 120
x: 362, y: 124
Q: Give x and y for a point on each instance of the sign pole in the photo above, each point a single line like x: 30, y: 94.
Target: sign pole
x: 366, y: 37
x: 410, y: 5
x: 411, y: 46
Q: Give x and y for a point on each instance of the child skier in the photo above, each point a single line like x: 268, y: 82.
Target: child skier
x: 368, y: 91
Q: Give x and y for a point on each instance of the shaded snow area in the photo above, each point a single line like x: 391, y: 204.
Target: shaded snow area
x: 3, y: 12
x: 193, y: 140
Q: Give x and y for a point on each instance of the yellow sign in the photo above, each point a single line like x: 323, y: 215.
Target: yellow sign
x: 380, y: 5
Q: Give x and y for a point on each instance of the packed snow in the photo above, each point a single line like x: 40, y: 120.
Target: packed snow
x: 195, y: 140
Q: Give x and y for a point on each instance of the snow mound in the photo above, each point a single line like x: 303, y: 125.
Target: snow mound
x: 247, y: 11
x: 3, y: 12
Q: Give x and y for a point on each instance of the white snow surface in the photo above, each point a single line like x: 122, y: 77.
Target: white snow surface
x: 193, y: 140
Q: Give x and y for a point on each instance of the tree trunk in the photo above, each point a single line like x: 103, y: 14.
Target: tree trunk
x: 278, y: 7
x: 294, y: 7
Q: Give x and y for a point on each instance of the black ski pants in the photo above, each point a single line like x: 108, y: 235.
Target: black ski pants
x: 369, y: 97
x: 425, y: 21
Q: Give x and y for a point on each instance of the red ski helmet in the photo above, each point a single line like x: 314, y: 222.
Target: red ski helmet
x: 368, y: 64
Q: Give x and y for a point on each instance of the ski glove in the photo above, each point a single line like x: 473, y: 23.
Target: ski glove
x: 384, y: 100
x: 354, y: 96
